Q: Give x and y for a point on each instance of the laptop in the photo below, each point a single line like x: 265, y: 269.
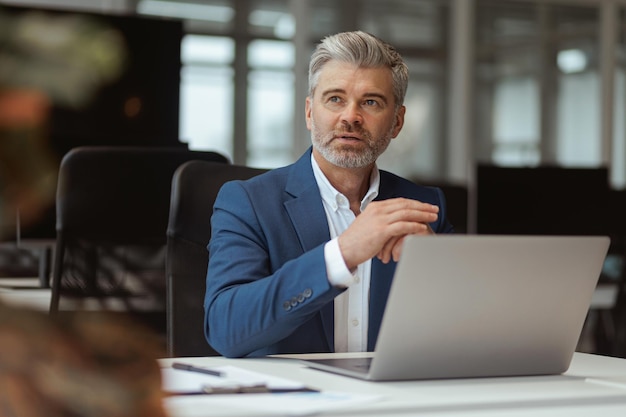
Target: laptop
x: 464, y: 306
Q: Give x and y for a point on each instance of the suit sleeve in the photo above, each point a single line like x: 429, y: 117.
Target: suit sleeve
x: 250, y: 304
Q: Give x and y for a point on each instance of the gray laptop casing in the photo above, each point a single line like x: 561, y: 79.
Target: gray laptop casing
x: 481, y: 306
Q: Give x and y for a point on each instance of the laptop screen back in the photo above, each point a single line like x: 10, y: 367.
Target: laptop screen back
x: 468, y: 306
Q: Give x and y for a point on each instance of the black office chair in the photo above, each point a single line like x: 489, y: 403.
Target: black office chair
x: 112, y: 210
x: 194, y: 188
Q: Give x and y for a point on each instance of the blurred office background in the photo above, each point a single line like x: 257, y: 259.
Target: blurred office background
x: 514, y: 83
x: 494, y: 83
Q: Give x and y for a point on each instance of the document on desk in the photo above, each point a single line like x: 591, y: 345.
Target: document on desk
x: 296, y: 404
x: 224, y: 380
x: 234, y: 391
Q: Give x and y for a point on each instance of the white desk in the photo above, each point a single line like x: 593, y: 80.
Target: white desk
x: 570, y: 394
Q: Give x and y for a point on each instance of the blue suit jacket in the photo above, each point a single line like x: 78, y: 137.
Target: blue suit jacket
x: 267, y: 289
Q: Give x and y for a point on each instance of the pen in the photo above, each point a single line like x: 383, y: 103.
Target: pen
x: 252, y: 389
x: 191, y: 368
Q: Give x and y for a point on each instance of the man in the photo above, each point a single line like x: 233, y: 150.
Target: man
x: 302, y: 257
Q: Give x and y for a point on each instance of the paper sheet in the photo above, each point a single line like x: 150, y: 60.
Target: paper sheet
x: 177, y: 381
x: 288, y: 405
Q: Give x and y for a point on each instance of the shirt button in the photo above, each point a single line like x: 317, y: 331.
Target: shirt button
x: 294, y: 301
x: 357, y: 280
x: 300, y: 298
x: 307, y: 293
x: 355, y: 322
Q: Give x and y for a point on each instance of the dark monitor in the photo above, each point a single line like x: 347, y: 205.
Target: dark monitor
x: 544, y: 200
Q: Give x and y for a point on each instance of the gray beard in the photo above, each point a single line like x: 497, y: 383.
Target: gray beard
x: 346, y: 157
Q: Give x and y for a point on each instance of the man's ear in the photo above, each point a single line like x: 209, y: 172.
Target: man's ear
x: 399, y: 121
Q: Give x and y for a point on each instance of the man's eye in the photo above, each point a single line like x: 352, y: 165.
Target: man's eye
x: 371, y: 102
x: 334, y: 99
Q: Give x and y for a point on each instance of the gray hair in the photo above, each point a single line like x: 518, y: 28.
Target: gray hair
x: 364, y: 51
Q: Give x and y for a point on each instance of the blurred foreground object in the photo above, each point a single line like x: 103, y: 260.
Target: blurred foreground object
x: 45, y: 59
x: 67, y: 57
x: 86, y: 365
x: 27, y: 170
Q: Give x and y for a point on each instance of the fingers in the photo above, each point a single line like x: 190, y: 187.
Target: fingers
x: 401, y: 209
x: 393, y: 247
x: 380, y: 229
x: 407, y: 217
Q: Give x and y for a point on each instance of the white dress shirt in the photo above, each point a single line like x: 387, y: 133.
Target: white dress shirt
x: 352, y: 306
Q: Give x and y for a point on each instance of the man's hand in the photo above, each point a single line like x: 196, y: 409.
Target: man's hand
x: 380, y: 229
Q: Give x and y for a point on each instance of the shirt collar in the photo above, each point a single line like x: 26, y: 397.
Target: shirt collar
x: 333, y: 198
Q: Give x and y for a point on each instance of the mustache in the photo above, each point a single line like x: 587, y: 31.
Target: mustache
x: 347, y: 130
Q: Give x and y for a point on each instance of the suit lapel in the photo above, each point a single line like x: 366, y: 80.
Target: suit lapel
x: 304, y: 205
x: 306, y: 211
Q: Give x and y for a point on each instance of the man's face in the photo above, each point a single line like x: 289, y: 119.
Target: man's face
x: 352, y: 114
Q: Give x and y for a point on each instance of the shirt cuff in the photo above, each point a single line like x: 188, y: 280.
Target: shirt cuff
x: 338, y: 273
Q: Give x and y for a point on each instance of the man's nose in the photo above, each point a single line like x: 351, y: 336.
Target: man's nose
x: 352, y: 114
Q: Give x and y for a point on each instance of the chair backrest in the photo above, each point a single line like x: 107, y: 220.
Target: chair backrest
x: 113, y: 196
x: 194, y: 187
x: 120, y: 194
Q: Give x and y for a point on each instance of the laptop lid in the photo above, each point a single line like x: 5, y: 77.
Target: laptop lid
x: 480, y: 306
